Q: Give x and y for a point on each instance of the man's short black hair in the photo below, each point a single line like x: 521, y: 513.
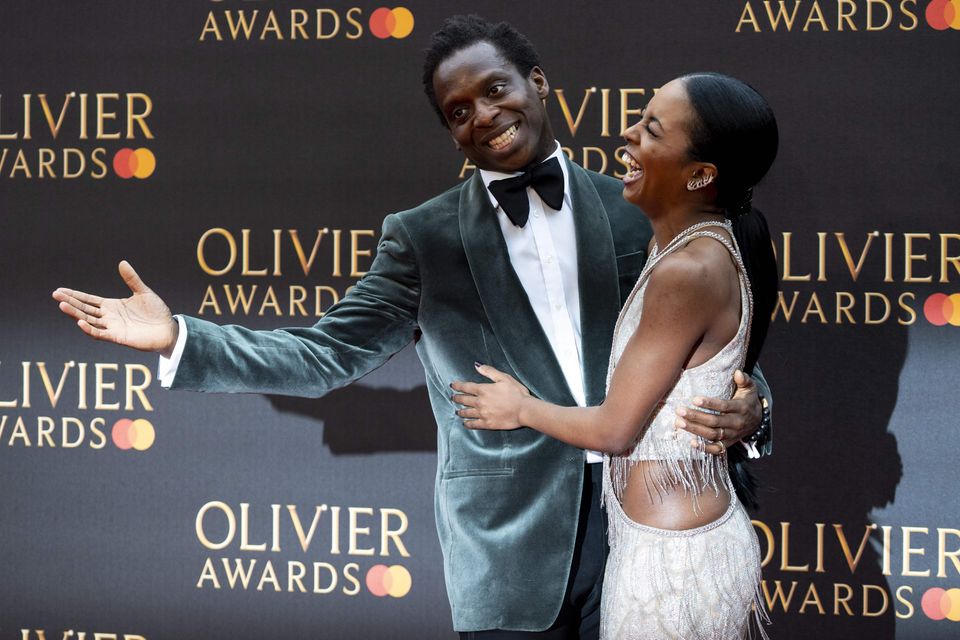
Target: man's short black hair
x: 460, y: 32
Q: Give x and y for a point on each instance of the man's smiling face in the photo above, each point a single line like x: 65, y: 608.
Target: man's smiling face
x: 495, y: 115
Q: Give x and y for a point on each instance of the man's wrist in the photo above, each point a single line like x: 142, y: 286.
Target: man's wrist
x: 761, y: 436
x: 174, y: 329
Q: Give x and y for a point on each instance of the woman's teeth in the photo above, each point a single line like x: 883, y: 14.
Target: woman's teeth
x: 504, y: 139
x: 634, y: 170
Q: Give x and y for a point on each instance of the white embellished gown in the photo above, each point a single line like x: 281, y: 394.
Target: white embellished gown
x: 693, y: 583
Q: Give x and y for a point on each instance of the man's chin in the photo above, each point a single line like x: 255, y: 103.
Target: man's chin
x: 507, y: 162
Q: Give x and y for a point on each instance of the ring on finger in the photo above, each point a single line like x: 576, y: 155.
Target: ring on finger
x: 720, y: 436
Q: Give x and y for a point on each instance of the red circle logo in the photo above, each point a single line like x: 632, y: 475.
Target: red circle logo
x: 941, y: 309
x: 941, y: 604
x: 944, y: 14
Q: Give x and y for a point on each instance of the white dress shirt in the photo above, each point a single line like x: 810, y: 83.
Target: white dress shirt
x: 543, y: 254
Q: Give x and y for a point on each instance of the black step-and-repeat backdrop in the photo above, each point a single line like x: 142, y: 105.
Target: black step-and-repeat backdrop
x: 242, y: 153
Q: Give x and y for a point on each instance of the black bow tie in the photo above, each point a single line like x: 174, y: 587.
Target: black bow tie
x: 546, y: 179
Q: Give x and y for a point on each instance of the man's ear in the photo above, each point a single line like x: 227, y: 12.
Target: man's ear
x: 539, y: 79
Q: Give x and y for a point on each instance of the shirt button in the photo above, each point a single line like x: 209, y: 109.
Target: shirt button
x: 558, y: 306
x: 536, y: 214
x: 549, y: 259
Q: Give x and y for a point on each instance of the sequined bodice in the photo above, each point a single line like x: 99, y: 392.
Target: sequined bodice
x: 713, y: 378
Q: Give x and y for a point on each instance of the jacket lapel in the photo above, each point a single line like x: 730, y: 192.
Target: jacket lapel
x: 505, y: 302
x: 599, y: 288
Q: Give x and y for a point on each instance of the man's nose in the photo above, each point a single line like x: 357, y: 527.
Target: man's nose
x: 486, y: 113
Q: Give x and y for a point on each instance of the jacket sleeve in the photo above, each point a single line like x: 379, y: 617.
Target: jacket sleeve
x: 376, y: 319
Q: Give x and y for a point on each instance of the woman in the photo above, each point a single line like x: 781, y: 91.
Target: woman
x: 684, y: 561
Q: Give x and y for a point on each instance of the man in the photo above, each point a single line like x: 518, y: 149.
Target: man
x: 533, y: 288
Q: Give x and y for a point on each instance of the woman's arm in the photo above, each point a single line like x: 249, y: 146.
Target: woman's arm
x: 680, y: 302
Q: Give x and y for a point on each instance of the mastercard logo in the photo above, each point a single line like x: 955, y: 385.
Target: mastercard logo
x: 389, y: 581
x: 944, y: 14
x: 130, y: 163
x: 391, y: 23
x: 941, y: 604
x: 941, y: 309
x: 136, y: 434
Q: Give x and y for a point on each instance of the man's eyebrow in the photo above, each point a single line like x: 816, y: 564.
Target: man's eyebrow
x: 481, y: 80
x: 493, y: 74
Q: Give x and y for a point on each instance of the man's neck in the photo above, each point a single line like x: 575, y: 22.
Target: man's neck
x: 497, y: 175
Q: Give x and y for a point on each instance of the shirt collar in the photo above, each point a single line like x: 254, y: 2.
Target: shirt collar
x: 489, y: 176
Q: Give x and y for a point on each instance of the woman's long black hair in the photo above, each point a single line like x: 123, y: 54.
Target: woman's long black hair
x: 736, y: 131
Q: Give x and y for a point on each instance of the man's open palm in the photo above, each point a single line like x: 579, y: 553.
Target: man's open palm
x: 141, y: 321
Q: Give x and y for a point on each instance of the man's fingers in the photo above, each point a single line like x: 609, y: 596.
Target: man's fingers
x: 92, y: 331
x: 74, y: 312
x: 714, y: 449
x: 692, y: 417
x: 698, y: 430
x: 469, y: 413
x: 131, y: 278
x: 89, y: 309
x: 77, y: 297
x: 71, y: 311
x: 97, y: 323
x: 707, y: 425
x: 742, y: 380
x: 712, y: 404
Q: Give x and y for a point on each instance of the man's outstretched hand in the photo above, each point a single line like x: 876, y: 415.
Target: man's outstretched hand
x: 141, y: 321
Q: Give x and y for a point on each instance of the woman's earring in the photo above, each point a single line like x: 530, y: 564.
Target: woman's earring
x: 699, y: 183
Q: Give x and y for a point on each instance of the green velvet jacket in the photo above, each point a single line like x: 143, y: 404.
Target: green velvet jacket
x: 506, y: 501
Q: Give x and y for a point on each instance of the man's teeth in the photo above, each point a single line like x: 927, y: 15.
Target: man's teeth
x: 634, y: 169
x: 504, y: 139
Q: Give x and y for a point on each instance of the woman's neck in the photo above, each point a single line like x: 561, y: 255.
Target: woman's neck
x: 666, y: 227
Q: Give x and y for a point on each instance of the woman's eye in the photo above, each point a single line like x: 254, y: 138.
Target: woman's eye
x: 496, y: 89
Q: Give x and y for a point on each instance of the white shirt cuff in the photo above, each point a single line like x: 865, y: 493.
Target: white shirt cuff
x: 167, y: 369
x: 593, y: 456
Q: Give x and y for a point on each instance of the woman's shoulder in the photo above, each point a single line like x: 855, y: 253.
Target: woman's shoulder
x: 697, y: 271
x: 713, y: 248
